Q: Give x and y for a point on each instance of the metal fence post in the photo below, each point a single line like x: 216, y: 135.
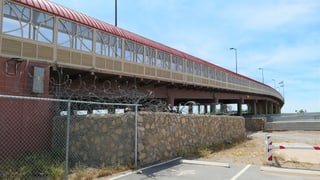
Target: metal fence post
x: 67, y: 140
x: 136, y: 136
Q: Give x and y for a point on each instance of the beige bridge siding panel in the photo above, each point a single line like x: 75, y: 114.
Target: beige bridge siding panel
x: 177, y: 76
x: 150, y: 71
x: 87, y: 60
x: 63, y: 56
x: 117, y: 65
x: 163, y: 73
x: 189, y: 78
x: 109, y: 64
x: 11, y: 47
x: 75, y: 58
x: 205, y: 81
x: 133, y: 68
x: 29, y: 50
x: 26, y: 49
x: 45, y: 53
x: 101, y: 62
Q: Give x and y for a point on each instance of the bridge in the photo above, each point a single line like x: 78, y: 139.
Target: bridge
x: 43, y: 43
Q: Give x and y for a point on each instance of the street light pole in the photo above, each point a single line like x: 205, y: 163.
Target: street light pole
x: 235, y: 54
x: 262, y: 74
x: 274, y: 81
x: 115, y: 13
x: 282, y: 85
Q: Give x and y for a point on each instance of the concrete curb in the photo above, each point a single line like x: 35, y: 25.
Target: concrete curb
x: 291, y: 171
x: 208, y: 163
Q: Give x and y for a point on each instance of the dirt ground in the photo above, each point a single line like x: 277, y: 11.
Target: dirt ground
x: 252, y: 151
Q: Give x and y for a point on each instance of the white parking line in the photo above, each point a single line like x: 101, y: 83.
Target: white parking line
x: 140, y: 170
x: 241, y: 172
x: 185, y: 161
x: 292, y: 171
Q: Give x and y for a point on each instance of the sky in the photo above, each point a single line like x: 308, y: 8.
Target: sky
x: 280, y: 36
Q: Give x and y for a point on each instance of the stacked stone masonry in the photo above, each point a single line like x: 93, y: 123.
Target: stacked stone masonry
x: 255, y: 123
x: 109, y: 139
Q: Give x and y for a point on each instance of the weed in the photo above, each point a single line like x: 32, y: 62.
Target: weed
x: 31, y: 165
x: 55, y: 171
x: 82, y: 172
x: 182, y: 152
x: 203, y: 150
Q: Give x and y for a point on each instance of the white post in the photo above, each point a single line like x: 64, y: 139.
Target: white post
x: 269, y: 149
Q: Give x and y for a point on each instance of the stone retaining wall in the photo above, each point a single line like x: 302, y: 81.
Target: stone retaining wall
x: 109, y: 139
x: 163, y: 135
x: 255, y: 123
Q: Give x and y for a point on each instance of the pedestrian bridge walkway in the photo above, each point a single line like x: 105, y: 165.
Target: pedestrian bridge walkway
x: 60, y: 39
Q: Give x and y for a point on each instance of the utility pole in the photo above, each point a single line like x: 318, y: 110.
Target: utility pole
x: 236, y: 57
x: 115, y: 13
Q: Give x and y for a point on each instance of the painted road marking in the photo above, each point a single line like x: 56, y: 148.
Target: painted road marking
x: 184, y: 172
x: 197, y: 162
x: 241, y: 172
x: 292, y: 171
x: 140, y: 170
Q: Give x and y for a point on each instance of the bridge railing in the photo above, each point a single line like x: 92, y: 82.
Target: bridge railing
x: 92, y: 49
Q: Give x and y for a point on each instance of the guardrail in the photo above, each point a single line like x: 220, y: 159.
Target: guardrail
x: 269, y: 147
x: 315, y: 116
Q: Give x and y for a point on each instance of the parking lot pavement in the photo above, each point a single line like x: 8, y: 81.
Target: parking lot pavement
x: 177, y: 170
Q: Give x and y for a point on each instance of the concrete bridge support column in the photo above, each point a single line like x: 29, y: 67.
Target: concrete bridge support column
x: 178, y: 108
x: 277, y: 109
x: 252, y: 108
x: 271, y: 108
x: 258, y: 108
x: 111, y: 110
x: 223, y: 108
x: 205, y: 109
x: 170, y: 102
x: 190, y: 109
x: 213, y: 108
x: 239, y: 107
x: 266, y: 108
x: 261, y: 108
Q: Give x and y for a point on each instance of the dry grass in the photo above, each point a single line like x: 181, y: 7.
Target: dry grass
x: 245, y: 151
x: 84, y: 173
x: 205, y: 151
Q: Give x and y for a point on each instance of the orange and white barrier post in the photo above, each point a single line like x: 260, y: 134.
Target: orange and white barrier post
x: 270, y: 147
x: 268, y: 143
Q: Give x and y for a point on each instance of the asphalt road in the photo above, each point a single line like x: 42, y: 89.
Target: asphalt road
x: 177, y: 170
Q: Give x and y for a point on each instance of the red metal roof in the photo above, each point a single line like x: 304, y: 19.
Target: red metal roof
x: 61, y: 11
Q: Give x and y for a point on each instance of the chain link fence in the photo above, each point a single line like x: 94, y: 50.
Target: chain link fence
x: 64, y: 139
